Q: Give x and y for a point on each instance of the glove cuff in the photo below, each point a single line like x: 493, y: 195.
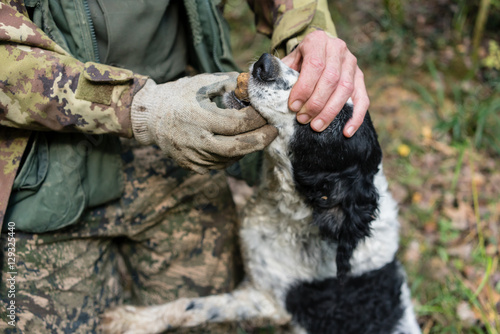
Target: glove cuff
x: 141, y: 113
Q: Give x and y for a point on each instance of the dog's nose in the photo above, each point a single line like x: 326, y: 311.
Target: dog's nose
x: 265, y: 69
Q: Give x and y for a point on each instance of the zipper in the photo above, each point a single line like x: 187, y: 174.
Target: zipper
x: 92, y: 32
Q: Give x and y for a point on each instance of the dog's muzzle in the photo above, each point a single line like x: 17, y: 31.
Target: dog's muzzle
x: 266, y: 69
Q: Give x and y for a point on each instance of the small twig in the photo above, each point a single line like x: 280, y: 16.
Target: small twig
x: 475, y: 197
x: 428, y: 326
x: 481, y: 19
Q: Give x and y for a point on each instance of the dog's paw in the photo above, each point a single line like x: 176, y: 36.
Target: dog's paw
x: 128, y: 320
x: 117, y: 320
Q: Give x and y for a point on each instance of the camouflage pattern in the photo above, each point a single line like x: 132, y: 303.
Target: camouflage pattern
x: 43, y: 88
x: 287, y: 22
x: 172, y: 235
x: 18, y: 5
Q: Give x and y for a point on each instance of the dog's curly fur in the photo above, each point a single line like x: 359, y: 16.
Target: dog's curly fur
x: 318, y: 240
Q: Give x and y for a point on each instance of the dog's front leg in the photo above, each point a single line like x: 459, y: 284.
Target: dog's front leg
x: 245, y: 303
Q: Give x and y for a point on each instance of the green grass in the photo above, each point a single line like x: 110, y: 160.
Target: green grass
x: 439, y: 280
x: 467, y: 110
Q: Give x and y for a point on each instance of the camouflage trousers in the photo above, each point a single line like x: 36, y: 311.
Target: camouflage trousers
x: 173, y: 234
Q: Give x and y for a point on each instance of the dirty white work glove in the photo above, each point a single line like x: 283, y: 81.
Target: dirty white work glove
x: 181, y: 119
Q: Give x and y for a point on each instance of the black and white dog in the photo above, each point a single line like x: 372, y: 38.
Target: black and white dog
x: 319, y: 239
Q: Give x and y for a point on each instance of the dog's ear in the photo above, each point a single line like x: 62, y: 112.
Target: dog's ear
x: 344, y: 212
x: 336, y: 174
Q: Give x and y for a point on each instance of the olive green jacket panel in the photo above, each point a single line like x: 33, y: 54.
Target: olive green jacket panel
x: 287, y: 22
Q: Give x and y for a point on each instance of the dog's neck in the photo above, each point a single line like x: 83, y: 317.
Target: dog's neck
x: 278, y: 184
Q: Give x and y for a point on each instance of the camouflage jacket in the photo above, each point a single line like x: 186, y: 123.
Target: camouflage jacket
x: 44, y: 88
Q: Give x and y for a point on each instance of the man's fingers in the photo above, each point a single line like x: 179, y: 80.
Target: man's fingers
x: 324, y: 89
x: 361, y: 104
x: 230, y: 122
x: 243, y: 144
x: 329, y: 75
x: 313, y: 64
x: 293, y: 60
x: 213, y: 84
x: 342, y: 93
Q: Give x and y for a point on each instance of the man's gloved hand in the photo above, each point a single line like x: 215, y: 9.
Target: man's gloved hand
x: 182, y: 120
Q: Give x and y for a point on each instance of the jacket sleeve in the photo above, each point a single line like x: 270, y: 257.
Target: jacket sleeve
x: 44, y: 88
x: 287, y: 22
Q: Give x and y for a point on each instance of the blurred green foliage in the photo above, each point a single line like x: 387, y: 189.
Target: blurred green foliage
x: 437, y: 38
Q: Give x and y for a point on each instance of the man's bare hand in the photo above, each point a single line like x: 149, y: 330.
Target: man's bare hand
x: 329, y: 76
